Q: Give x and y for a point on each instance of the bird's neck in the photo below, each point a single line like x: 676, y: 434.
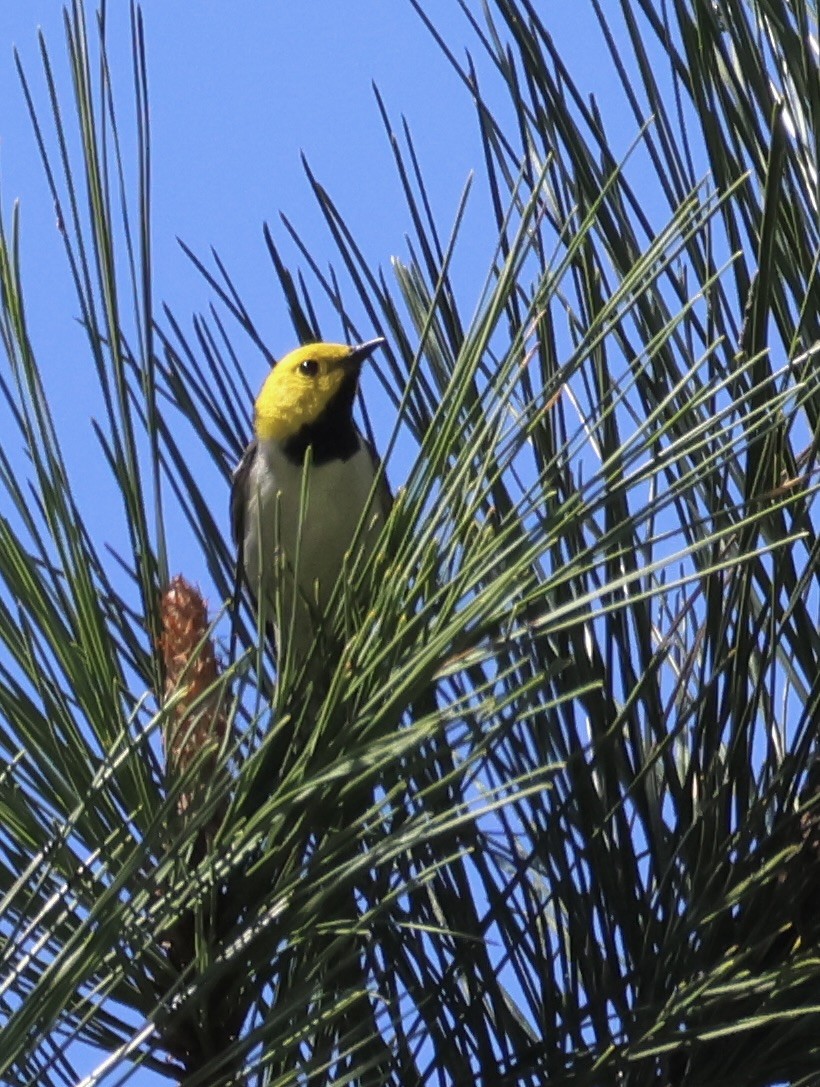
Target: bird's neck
x: 332, y: 436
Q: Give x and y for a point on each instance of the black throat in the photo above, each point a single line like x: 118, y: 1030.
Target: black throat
x: 333, y: 436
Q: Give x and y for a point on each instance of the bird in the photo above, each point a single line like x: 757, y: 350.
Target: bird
x: 303, y: 490
x: 307, y: 488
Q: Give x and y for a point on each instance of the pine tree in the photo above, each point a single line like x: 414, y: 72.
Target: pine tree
x: 572, y: 728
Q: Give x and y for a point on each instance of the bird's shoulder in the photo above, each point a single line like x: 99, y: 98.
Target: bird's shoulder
x: 240, y: 484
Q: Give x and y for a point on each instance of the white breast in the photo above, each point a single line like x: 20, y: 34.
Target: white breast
x: 280, y: 554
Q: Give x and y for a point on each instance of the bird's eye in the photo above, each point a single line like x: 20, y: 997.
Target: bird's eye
x: 309, y: 367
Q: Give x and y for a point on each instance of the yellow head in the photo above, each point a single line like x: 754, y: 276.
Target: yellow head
x: 304, y: 384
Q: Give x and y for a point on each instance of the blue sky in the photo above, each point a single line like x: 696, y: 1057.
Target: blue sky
x: 235, y: 102
x: 236, y: 98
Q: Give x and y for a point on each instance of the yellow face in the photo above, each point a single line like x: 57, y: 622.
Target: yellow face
x: 302, y: 384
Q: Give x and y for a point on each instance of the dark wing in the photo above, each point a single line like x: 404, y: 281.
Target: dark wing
x: 240, y: 482
x: 384, y: 496
x: 240, y: 485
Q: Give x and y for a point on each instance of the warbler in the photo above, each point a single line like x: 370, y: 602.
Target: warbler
x: 306, y: 443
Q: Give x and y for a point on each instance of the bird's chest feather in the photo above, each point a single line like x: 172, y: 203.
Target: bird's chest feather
x: 312, y: 541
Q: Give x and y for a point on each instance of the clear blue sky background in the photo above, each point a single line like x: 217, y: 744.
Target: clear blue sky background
x: 237, y: 92
x: 236, y: 96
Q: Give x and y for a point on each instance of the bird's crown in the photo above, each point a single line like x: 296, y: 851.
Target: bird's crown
x: 304, y: 383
